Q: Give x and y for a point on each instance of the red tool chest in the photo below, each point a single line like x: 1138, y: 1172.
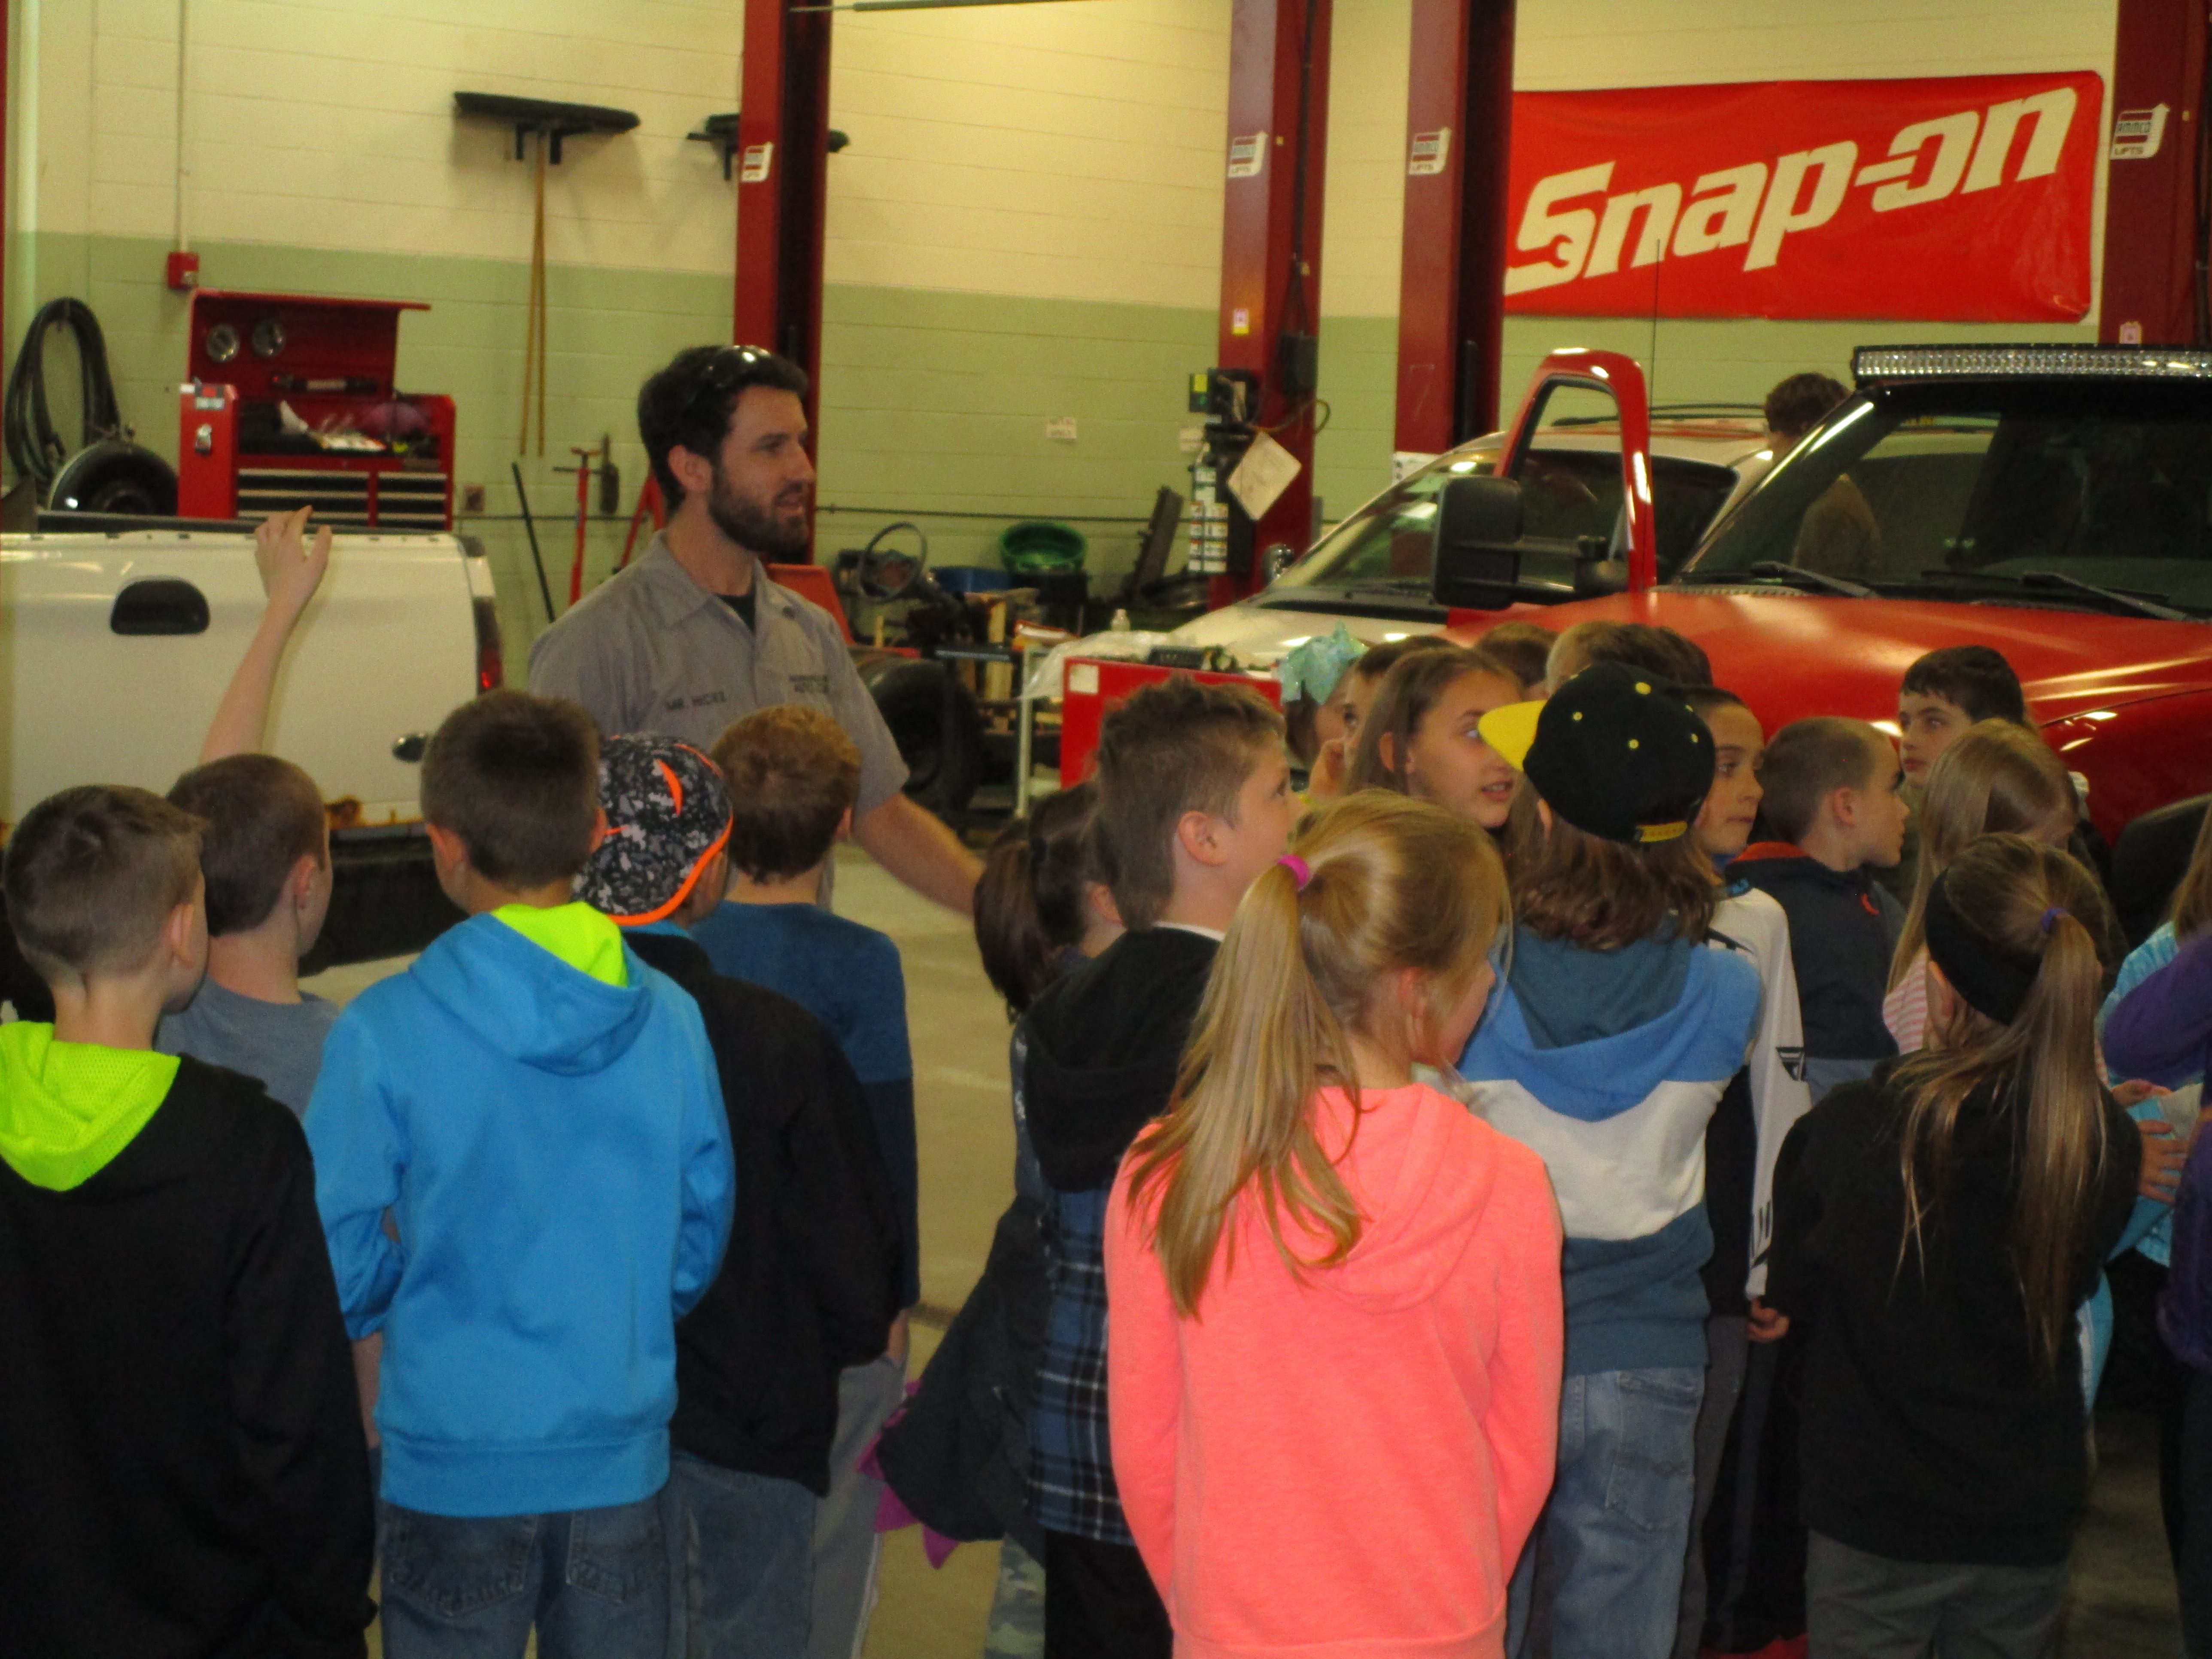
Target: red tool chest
x: 357, y: 450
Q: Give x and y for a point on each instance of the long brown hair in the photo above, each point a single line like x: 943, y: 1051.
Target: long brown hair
x: 1601, y: 894
x: 1995, y: 778
x: 1030, y: 903
x: 2192, y: 899
x: 1407, y: 693
x: 2042, y: 1067
x: 1396, y: 884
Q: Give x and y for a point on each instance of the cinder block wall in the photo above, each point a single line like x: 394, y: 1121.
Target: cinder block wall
x: 1026, y: 227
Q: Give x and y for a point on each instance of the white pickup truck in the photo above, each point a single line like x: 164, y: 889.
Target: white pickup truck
x: 118, y: 636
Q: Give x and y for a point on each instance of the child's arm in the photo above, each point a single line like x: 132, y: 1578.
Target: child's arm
x: 710, y: 1174
x: 2163, y: 1028
x: 357, y: 1149
x: 1144, y: 1386
x: 839, y: 1214
x: 883, y: 1058
x: 1779, y: 1096
x: 1792, y: 1283
x: 290, y: 574
x: 1522, y: 1423
x: 298, y: 1426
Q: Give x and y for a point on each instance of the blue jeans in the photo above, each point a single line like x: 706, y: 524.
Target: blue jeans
x: 1617, y: 1524
x: 595, y: 1583
x: 740, y: 1562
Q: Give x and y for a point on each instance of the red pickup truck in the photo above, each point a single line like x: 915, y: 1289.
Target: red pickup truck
x: 2053, y: 502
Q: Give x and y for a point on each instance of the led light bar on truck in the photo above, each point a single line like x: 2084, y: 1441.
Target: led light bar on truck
x: 2029, y: 361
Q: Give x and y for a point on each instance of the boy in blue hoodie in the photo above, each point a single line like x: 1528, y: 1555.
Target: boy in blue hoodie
x: 1607, y: 1047
x: 539, y: 1115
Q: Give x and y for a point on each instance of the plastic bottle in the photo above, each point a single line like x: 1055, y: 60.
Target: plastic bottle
x: 1120, y: 623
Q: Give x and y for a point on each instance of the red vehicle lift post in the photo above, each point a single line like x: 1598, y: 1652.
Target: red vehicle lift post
x: 1270, y: 245
x: 2155, y: 222
x: 1451, y: 295
x: 783, y: 153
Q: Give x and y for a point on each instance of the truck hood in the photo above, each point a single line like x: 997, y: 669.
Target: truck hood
x: 1791, y: 655
x: 1257, y: 635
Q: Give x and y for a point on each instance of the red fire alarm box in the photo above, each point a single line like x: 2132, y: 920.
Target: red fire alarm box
x: 291, y: 403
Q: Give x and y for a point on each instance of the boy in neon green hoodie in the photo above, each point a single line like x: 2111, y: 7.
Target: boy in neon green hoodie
x: 181, y: 1461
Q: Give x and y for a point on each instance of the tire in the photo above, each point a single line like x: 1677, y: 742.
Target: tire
x: 934, y: 721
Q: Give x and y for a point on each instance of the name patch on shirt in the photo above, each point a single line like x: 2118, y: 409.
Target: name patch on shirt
x: 809, y: 684
x: 701, y: 700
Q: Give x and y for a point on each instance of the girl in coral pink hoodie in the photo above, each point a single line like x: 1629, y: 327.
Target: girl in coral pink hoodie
x: 1333, y: 1314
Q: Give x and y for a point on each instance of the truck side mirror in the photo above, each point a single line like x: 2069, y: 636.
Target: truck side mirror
x: 1478, y: 558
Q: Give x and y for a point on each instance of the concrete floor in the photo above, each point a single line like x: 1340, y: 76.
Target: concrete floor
x: 2122, y: 1604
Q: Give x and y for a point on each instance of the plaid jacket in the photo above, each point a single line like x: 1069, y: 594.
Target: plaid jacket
x: 1097, y: 1062
x: 1071, y: 1457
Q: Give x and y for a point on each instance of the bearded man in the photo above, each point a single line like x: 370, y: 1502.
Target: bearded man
x: 694, y: 634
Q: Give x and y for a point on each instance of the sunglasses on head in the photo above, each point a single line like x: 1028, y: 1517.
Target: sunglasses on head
x: 731, y: 368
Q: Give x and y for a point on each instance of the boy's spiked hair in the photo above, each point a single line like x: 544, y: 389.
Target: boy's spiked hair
x: 1172, y: 749
x: 93, y: 872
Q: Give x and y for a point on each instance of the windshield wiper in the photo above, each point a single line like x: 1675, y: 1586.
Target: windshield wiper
x: 2059, y: 578
x: 1811, y: 580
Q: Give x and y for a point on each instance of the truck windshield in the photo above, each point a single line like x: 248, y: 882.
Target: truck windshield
x: 1568, y: 494
x: 1963, y: 491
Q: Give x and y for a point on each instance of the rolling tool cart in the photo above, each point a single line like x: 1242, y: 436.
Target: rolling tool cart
x: 291, y: 403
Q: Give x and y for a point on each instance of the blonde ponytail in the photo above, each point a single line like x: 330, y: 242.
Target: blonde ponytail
x: 1395, y: 884
x: 2029, y: 904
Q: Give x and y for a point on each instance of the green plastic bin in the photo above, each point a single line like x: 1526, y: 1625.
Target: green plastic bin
x: 1041, y: 547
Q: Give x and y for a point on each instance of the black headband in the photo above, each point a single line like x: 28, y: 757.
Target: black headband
x: 1994, y: 981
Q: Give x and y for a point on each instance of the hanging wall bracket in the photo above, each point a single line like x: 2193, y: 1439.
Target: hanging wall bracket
x: 721, y: 131
x: 554, y: 119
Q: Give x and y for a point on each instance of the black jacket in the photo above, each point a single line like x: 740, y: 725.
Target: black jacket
x: 182, y: 1467
x: 1842, y: 929
x: 810, y: 1281
x: 1932, y: 1430
x: 959, y: 1455
x: 1103, y: 1045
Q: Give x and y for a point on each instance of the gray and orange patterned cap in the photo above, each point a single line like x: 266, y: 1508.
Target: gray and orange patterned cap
x: 668, y: 813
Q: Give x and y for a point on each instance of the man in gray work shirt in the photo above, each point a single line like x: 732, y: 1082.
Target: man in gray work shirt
x: 694, y: 636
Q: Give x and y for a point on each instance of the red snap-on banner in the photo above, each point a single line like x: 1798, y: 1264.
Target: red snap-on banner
x: 1962, y: 199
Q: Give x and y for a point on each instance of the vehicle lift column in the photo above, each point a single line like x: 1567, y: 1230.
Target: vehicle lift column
x: 1451, y: 291
x: 1270, y: 281
x: 783, y: 153
x: 2156, y: 228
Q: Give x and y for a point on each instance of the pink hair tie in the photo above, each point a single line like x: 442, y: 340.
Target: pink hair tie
x: 1300, y: 870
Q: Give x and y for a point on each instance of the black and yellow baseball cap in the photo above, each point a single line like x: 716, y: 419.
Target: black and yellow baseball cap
x: 1617, y: 751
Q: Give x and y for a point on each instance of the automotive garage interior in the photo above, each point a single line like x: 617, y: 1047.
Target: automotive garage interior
x: 1099, y: 828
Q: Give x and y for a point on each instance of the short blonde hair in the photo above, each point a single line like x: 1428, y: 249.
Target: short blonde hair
x: 794, y: 774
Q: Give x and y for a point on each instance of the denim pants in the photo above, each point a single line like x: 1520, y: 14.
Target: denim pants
x: 1617, y: 1524
x: 594, y: 1581
x: 740, y: 1562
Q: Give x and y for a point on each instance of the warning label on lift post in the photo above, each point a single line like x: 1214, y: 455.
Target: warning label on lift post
x: 1248, y: 156
x: 1429, y: 151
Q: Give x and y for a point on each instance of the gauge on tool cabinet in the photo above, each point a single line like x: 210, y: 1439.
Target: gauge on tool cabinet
x: 222, y: 343
x: 267, y: 337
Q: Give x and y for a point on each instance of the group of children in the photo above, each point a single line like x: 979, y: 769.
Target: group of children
x: 1538, y: 1191
x: 612, y: 1191
x: 1330, y: 1363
